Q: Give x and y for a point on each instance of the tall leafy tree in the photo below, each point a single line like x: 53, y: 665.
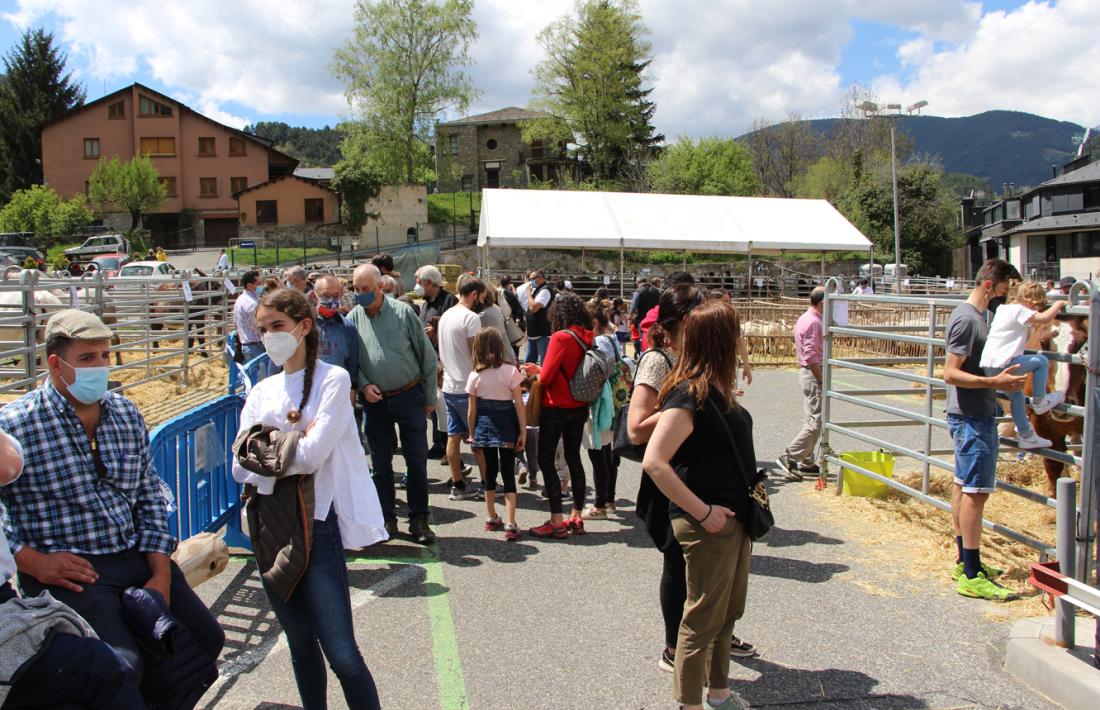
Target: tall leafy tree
x: 781, y: 153
x: 402, y: 69
x: 593, y: 82
x: 134, y: 186
x: 711, y: 166
x: 36, y: 89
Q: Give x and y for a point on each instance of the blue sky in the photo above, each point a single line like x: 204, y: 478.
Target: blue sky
x: 718, y: 65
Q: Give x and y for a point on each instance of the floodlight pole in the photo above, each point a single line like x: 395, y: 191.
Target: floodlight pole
x: 897, y: 226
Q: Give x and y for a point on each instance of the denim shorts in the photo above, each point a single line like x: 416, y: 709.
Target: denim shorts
x: 457, y: 413
x: 975, y: 442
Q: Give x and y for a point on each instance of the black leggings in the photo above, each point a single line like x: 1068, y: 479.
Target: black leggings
x: 500, y: 459
x: 568, y: 426
x: 673, y: 590
x: 605, y: 471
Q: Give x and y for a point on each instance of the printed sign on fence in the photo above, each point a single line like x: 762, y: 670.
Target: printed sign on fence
x: 229, y: 286
x: 187, y: 291
x: 840, y: 313
x: 74, y: 297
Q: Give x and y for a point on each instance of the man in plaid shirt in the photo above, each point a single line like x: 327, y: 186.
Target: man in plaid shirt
x: 87, y: 519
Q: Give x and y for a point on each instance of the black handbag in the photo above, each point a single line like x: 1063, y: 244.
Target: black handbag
x: 760, y: 519
x: 620, y: 440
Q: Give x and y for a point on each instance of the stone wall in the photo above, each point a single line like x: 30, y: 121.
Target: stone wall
x: 474, y: 153
x: 400, y: 208
x: 293, y: 235
x: 518, y: 261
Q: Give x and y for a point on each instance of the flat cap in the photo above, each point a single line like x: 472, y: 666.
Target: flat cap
x: 1066, y: 282
x: 76, y: 324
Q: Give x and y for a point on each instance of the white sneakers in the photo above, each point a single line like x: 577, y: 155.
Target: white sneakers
x: 1033, y: 442
x: 1045, y: 404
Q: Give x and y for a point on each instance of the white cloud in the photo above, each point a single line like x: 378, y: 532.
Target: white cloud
x: 1040, y: 58
x: 269, y: 56
x: 717, y: 64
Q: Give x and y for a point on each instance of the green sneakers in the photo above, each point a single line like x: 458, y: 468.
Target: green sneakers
x: 982, y: 588
x: 990, y: 571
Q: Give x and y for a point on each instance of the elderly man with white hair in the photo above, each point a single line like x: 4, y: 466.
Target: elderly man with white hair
x: 437, y: 300
x: 397, y: 378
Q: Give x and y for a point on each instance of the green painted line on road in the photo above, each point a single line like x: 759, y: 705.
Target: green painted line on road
x: 449, y: 678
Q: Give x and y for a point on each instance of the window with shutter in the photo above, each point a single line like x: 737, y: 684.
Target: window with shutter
x: 207, y: 148
x: 158, y: 147
x: 208, y: 187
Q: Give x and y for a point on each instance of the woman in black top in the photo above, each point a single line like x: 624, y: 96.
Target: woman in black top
x: 700, y: 427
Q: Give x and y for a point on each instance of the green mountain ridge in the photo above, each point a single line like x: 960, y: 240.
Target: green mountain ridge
x: 998, y: 146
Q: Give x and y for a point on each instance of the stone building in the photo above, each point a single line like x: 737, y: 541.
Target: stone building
x: 487, y: 150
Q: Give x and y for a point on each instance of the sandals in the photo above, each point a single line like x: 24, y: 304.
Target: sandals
x: 594, y: 513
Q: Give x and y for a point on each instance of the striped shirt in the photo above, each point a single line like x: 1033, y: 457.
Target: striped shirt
x: 60, y: 503
x: 244, y: 317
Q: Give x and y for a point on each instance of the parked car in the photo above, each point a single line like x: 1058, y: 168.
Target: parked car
x: 16, y: 239
x: 146, y: 270
x: 7, y: 260
x: 20, y: 254
x: 102, y: 244
x: 111, y: 264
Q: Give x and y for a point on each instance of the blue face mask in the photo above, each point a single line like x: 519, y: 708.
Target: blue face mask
x: 365, y: 299
x: 90, y: 384
x: 260, y: 291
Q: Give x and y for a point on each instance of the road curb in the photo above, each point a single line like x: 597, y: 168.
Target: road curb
x: 1065, y: 676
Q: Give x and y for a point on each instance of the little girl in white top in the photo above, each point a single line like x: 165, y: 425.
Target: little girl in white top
x: 311, y: 396
x: 1004, y: 349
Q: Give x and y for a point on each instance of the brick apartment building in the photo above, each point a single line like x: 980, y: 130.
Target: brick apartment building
x: 488, y: 150
x: 203, y: 164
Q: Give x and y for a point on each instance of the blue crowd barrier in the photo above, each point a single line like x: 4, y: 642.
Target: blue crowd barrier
x: 193, y: 456
x: 243, y: 376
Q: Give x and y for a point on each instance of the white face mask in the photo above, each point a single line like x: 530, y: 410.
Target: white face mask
x: 281, y: 347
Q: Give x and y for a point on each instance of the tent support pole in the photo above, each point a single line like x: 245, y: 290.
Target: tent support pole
x: 750, y: 271
x: 622, y: 270
x: 582, y: 260
x: 822, y: 267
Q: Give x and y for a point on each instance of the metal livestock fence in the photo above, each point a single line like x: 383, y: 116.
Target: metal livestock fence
x: 163, y: 327
x: 841, y: 325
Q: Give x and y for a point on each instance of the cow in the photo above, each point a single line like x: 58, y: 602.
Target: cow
x: 1069, y: 338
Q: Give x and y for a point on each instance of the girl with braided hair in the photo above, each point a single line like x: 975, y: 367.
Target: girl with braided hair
x: 311, y: 396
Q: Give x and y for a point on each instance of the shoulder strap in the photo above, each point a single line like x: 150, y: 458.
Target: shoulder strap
x: 576, y: 337
x: 729, y: 435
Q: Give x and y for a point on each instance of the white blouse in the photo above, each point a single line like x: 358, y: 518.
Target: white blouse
x: 331, y: 450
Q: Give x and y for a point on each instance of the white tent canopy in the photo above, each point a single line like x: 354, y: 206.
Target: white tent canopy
x: 558, y: 219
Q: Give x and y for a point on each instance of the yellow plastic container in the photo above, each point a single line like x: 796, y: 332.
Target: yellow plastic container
x: 854, y: 483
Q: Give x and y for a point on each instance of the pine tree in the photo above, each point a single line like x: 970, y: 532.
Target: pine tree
x: 592, y: 82
x: 36, y: 89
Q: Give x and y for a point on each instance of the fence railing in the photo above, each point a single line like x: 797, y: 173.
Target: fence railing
x: 163, y: 327
x: 928, y: 337
x: 193, y: 456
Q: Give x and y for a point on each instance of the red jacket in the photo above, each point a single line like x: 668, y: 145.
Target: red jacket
x: 563, y: 356
x: 646, y: 324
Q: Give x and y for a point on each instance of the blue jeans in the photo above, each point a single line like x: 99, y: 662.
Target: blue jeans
x: 1037, y: 364
x: 536, y: 348
x: 101, y: 605
x: 406, y: 410
x: 318, y: 625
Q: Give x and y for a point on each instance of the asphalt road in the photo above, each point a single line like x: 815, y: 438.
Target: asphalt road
x: 477, y: 622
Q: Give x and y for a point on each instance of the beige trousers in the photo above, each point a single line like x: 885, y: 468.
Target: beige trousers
x: 717, y: 582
